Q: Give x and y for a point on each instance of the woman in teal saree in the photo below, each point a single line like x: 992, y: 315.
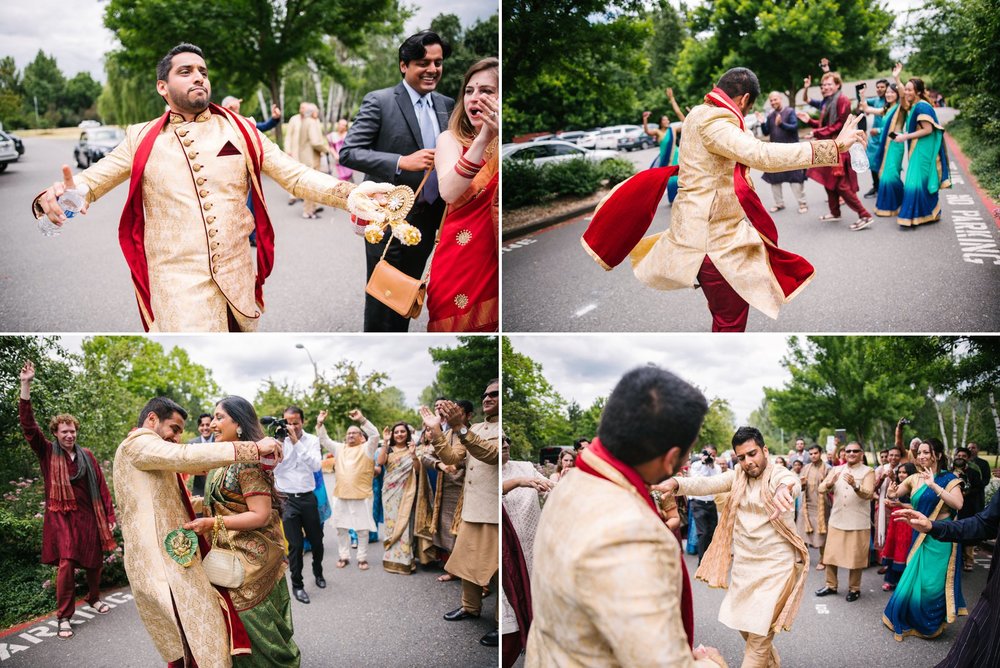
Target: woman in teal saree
x: 927, y: 170
x: 929, y: 594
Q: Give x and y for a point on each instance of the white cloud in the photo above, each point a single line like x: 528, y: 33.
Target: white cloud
x: 584, y: 367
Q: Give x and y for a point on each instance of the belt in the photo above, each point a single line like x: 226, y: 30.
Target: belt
x: 298, y: 495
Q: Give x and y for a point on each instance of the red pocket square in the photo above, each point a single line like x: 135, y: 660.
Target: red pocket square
x: 229, y: 149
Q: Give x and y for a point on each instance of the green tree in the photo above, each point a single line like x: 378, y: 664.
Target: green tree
x: 44, y: 81
x: 128, y: 96
x: 79, y: 97
x: 261, y: 37
x: 781, y: 42
x: 531, y: 406
x: 719, y: 425
x: 11, y: 94
x: 481, y: 40
x: 464, y: 370
x: 663, y: 46
x: 762, y: 420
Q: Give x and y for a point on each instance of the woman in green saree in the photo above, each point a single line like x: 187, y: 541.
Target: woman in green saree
x: 399, y: 462
x: 927, y: 171
x: 243, y: 499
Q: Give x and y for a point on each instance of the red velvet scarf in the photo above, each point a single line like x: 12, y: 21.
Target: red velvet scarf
x: 131, y: 228
x: 596, y: 449
x: 623, y: 217
x: 239, y: 641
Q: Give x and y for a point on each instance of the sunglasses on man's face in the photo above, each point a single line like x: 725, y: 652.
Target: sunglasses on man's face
x: 492, y: 395
x: 851, y: 452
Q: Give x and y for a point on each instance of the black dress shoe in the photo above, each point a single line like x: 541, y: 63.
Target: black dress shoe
x: 458, y: 614
x: 825, y: 591
x: 871, y: 193
x: 491, y: 639
x: 853, y: 596
x: 320, y: 582
x: 300, y: 595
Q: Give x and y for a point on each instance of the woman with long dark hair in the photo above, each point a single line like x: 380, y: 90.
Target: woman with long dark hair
x: 927, y: 170
x: 898, y: 535
x: 464, y: 285
x: 400, y: 464
x: 241, y: 503
x: 887, y: 160
x: 929, y: 594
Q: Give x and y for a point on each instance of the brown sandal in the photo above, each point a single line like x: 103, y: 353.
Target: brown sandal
x: 341, y: 563
x: 829, y: 216
x: 775, y: 209
x: 447, y: 577
x: 65, y: 630
x: 363, y: 565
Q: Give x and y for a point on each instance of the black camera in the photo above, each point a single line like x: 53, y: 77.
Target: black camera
x: 707, y: 459
x: 892, y: 135
x: 275, y: 427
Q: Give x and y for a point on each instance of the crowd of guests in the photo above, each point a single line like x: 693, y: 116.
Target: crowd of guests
x: 254, y: 504
x: 842, y: 512
x: 906, y: 151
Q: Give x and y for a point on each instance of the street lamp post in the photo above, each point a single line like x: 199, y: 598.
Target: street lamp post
x: 315, y: 368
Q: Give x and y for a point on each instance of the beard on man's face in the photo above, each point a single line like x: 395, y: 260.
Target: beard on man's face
x: 185, y: 103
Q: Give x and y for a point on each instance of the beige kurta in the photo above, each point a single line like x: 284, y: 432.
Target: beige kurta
x: 605, y: 591
x: 849, y: 536
x: 707, y: 219
x: 353, y: 511
x: 311, y: 143
x: 475, y: 555
x: 814, y: 474
x: 764, y: 567
x: 150, y: 505
x: 194, y: 191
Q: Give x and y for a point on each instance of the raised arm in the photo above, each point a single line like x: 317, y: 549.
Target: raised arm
x: 676, y: 107
x: 724, y: 138
x: 26, y: 414
x: 705, y: 485
x: 148, y: 452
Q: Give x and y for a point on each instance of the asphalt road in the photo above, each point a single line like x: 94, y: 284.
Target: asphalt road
x: 829, y: 632
x: 79, y: 282
x: 882, y: 279
x: 363, y: 618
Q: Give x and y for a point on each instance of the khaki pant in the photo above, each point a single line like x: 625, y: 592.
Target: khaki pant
x: 760, y: 652
x: 472, y: 597
x: 969, y: 555
x: 853, y: 581
x: 797, y: 190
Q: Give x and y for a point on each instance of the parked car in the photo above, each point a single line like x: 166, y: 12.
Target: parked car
x: 589, y: 139
x: 8, y: 152
x: 18, y: 144
x: 543, y: 137
x: 96, y: 143
x: 609, y: 137
x: 572, y: 136
x: 635, y: 140
x: 89, y: 124
x: 552, y: 150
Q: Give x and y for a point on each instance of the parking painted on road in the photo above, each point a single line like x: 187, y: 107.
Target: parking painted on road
x: 518, y: 244
x: 41, y: 632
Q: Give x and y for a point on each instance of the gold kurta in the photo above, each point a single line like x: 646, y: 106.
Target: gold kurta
x: 849, y: 536
x: 706, y: 218
x: 605, y: 591
x: 194, y: 192
x: 764, y: 567
x: 150, y: 505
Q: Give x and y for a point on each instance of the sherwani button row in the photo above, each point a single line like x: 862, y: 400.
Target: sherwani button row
x: 212, y: 232
x: 208, y: 206
x: 210, y: 220
x: 201, y: 180
x: 215, y: 257
x: 188, y: 142
x: 183, y: 133
x: 215, y: 244
x: 203, y: 193
x: 196, y: 167
x: 192, y: 154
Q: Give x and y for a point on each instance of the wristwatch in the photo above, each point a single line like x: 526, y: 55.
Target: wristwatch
x: 463, y: 432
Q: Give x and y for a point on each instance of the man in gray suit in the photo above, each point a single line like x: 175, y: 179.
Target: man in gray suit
x: 392, y: 140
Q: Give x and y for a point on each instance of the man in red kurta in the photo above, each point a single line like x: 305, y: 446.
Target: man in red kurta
x: 79, y: 516
x: 840, y: 180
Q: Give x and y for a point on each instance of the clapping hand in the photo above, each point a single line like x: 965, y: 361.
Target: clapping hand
x: 432, y: 422
x: 386, y: 434
x: 849, y: 479
x: 453, y: 413
x: 802, y: 116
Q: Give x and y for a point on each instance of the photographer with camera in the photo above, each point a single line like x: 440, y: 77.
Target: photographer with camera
x: 703, y: 509
x: 974, y: 491
x: 294, y: 478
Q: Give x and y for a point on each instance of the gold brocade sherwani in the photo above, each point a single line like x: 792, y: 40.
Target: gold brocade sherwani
x: 606, y: 591
x: 194, y: 193
x: 706, y: 218
x: 149, y: 503
x: 475, y: 556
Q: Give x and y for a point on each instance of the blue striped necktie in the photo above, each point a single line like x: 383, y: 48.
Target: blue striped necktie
x: 425, y: 116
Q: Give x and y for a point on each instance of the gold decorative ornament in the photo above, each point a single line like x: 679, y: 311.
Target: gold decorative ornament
x: 463, y: 237
x: 461, y: 300
x: 399, y: 202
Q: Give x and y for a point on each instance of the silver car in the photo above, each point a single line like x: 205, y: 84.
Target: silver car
x: 8, y: 152
x: 553, y: 150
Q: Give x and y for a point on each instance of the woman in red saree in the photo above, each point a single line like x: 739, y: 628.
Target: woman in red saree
x: 464, y: 283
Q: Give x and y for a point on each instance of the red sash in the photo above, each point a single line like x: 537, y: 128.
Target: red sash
x: 598, y: 450
x: 623, y: 217
x: 239, y: 641
x: 131, y: 228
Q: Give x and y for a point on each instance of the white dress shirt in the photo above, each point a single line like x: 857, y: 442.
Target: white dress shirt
x: 294, y: 475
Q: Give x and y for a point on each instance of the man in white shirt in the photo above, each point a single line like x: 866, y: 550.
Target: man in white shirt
x: 706, y: 515
x: 293, y: 477
x: 205, y: 435
x: 800, y: 453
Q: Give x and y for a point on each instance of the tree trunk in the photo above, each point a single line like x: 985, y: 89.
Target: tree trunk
x: 278, y: 92
x: 954, y: 424
x: 996, y: 416
x: 318, y: 85
x: 265, y: 108
x: 940, y: 416
x: 965, y: 423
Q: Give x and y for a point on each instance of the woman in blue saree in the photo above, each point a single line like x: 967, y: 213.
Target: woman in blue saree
x: 887, y: 160
x: 929, y: 594
x: 927, y: 170
x: 668, y: 141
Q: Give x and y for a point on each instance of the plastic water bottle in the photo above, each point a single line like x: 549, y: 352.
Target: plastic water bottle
x: 859, y: 158
x: 72, y: 202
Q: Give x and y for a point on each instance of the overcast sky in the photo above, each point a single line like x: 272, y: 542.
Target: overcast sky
x: 73, y: 30
x: 240, y: 363
x: 735, y: 368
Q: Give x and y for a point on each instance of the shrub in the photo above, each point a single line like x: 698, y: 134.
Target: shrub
x: 577, y: 177
x: 523, y: 184
x: 616, y: 170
